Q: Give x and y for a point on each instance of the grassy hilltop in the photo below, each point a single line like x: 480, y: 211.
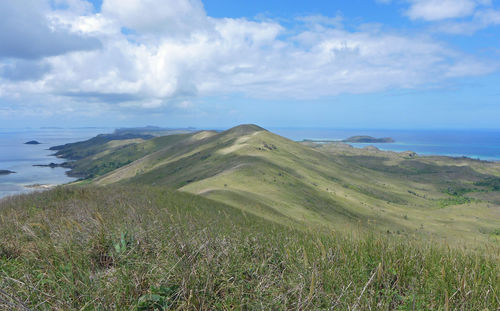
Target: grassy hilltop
x: 260, y: 223
x: 312, y: 184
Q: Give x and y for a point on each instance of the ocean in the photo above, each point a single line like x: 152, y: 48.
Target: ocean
x: 477, y: 144
x: 18, y: 157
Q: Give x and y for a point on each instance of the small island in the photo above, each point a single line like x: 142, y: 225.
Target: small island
x: 6, y: 172
x: 368, y: 139
x: 32, y: 142
x: 52, y: 165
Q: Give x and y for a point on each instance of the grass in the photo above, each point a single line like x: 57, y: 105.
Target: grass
x: 148, y: 248
x: 318, y: 184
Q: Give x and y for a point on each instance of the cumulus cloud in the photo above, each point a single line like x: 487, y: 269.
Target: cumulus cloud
x: 480, y: 20
x: 173, y: 53
x: 27, y: 32
x: 168, y: 17
x: 433, y: 10
x: 22, y: 70
x: 453, y: 16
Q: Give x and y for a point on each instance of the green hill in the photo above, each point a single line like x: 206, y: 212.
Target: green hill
x: 248, y: 220
x: 313, y: 184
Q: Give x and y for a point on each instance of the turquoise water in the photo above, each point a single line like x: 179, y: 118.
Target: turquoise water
x: 477, y: 144
x: 20, y: 158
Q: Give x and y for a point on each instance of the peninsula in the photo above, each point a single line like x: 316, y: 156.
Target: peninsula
x: 368, y: 139
x: 6, y: 172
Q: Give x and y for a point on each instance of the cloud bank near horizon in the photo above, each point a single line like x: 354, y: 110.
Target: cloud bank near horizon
x: 61, y: 56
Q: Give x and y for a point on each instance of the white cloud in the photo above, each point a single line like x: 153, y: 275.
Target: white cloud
x: 168, y: 17
x: 450, y: 11
x: 433, y: 10
x: 27, y: 32
x: 176, y: 53
x: 481, y: 19
x: 488, y: 17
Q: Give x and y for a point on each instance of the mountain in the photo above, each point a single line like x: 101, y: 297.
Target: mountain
x: 307, y: 184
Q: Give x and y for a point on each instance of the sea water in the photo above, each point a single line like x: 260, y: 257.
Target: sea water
x: 16, y: 156
x: 477, y: 144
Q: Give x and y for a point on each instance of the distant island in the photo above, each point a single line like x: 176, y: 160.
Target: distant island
x: 6, y: 172
x: 51, y: 165
x: 368, y: 139
x: 32, y: 142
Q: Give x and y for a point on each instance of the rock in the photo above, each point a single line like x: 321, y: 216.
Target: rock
x: 32, y: 142
x: 409, y: 154
x: 6, y: 172
x: 371, y: 148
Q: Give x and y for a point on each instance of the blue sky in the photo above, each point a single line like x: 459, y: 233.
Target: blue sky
x: 218, y: 63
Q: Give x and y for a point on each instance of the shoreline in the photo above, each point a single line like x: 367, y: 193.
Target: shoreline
x: 41, y: 186
x: 429, y: 154
x: 383, y: 147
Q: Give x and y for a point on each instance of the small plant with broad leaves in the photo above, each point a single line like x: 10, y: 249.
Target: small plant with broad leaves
x: 161, y: 298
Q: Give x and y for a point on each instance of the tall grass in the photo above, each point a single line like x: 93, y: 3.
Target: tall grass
x: 147, y: 248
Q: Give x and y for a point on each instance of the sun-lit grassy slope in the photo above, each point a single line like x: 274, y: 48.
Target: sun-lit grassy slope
x: 320, y: 184
x: 149, y: 248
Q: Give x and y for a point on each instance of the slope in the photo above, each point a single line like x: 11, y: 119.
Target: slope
x: 318, y: 184
x: 148, y: 248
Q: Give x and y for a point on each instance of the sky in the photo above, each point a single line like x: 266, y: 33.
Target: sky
x: 387, y: 64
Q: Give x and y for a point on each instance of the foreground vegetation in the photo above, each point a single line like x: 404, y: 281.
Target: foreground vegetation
x: 148, y: 248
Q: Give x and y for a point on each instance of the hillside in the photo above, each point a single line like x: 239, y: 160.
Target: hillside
x: 248, y: 220
x: 315, y: 184
x: 148, y: 248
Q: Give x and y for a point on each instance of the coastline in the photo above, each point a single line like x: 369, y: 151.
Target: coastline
x: 400, y: 147
x: 472, y: 143
x: 21, y: 158
x: 427, y: 154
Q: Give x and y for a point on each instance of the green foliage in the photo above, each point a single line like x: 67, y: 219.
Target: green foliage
x: 493, y: 183
x: 123, y: 244
x: 459, y: 191
x: 161, y: 298
x: 456, y: 200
